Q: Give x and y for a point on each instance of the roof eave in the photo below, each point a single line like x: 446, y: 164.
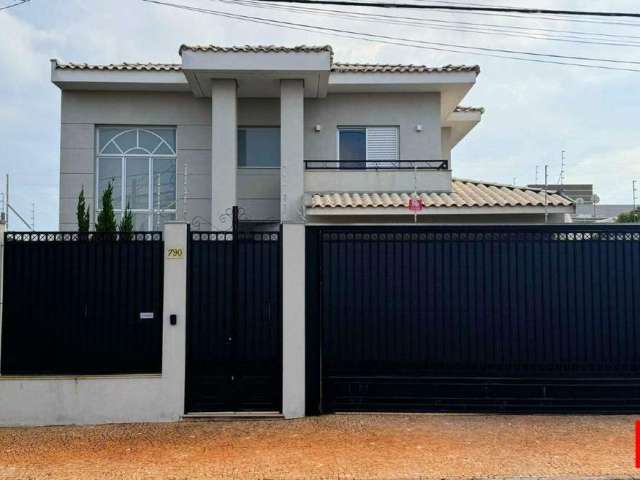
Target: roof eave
x: 461, y: 123
x: 88, y: 79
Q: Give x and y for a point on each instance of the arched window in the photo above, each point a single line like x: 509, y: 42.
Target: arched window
x: 140, y: 163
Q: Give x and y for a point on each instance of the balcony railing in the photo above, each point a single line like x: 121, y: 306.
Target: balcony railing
x: 376, y: 165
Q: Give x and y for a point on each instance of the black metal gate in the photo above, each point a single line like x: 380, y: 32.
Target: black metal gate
x: 464, y: 318
x: 82, y: 303
x: 234, y: 326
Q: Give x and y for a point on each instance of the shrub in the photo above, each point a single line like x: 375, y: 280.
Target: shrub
x: 629, y: 217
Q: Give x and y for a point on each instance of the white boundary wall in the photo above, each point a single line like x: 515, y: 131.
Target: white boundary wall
x: 60, y: 400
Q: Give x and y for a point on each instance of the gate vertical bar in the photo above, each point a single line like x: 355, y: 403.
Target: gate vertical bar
x: 313, y: 350
x: 235, y: 298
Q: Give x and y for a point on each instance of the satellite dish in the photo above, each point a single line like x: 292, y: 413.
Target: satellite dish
x: 580, y: 201
x: 595, y: 198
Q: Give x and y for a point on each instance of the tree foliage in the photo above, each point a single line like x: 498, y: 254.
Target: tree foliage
x: 629, y: 217
x: 106, y: 221
x: 82, y: 213
x: 126, y: 223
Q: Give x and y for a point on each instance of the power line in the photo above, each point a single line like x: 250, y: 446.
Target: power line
x: 436, y: 46
x: 267, y: 4
x: 20, y: 2
x: 558, y: 18
x: 465, y: 8
x: 434, y: 24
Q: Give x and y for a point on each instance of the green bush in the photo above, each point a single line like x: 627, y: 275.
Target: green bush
x: 629, y: 217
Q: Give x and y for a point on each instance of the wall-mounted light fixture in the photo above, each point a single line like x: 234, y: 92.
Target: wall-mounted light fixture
x: 317, y: 128
x: 418, y: 128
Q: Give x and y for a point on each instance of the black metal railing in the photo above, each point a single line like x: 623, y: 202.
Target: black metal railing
x: 376, y: 164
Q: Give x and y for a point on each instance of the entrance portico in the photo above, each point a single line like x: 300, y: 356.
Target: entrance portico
x: 227, y: 74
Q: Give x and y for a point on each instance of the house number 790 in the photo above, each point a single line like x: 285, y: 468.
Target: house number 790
x: 174, y: 253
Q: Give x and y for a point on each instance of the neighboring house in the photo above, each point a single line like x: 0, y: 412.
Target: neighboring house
x: 588, y: 206
x: 599, y: 213
x: 288, y: 134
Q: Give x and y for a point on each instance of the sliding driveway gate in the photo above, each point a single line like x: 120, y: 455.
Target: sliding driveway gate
x: 234, y: 326
x: 465, y: 318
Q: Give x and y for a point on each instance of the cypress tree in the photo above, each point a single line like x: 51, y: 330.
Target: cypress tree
x: 106, y: 222
x: 82, y: 213
x: 126, y: 223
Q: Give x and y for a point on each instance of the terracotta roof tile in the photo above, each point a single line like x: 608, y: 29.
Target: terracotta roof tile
x: 387, y: 68
x: 257, y: 49
x: 335, y: 67
x: 465, y: 194
x: 151, y: 67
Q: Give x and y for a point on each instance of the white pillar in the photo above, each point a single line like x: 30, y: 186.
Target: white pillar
x: 174, y: 303
x: 224, y: 150
x: 293, y: 246
x: 291, y: 150
x: 293, y: 320
x: 3, y: 229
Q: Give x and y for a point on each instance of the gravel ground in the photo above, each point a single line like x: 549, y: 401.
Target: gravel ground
x: 328, y: 447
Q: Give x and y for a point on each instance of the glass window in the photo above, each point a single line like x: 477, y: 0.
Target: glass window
x: 141, y: 221
x: 144, y: 161
x: 137, y: 172
x: 164, y: 183
x: 259, y: 146
x: 353, y: 146
x: 110, y: 171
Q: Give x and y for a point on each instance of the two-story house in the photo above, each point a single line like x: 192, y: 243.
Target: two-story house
x: 288, y: 134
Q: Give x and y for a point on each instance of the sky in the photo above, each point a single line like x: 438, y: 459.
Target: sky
x: 533, y: 110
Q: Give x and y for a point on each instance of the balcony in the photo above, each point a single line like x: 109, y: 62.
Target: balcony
x: 377, y: 176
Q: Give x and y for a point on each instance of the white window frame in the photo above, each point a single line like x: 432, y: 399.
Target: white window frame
x: 368, y: 164
x: 151, y: 212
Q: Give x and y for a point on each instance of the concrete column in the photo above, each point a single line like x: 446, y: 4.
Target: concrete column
x: 224, y: 150
x: 3, y: 229
x: 293, y: 246
x: 293, y: 320
x: 174, y: 303
x: 291, y: 150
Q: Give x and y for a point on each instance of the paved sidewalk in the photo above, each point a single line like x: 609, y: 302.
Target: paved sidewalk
x: 329, y: 447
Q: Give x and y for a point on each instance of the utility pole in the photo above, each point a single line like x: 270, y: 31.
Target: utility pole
x: 33, y: 216
x: 537, y: 169
x: 561, y: 178
x: 546, y: 182
x: 634, y: 184
x: 514, y: 181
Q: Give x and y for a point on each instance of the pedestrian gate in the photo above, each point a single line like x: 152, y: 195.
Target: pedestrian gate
x: 234, y: 325
x: 466, y: 318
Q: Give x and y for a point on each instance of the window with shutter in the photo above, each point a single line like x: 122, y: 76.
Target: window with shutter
x: 369, y: 146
